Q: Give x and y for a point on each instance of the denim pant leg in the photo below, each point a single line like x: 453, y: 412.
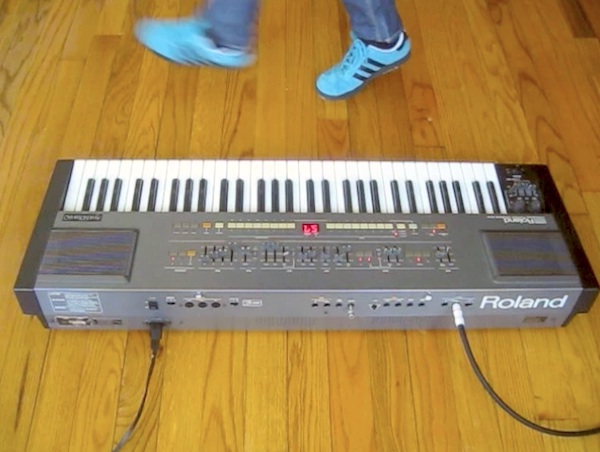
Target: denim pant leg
x: 231, y: 22
x: 374, y: 20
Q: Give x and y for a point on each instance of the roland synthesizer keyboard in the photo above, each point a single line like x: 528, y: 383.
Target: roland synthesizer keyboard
x: 258, y: 245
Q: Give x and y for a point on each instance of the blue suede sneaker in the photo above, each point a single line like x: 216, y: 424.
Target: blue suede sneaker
x: 361, y: 64
x: 184, y: 41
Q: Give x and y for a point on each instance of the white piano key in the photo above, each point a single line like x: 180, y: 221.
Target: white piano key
x: 446, y: 176
x: 172, y: 172
x: 339, y: 170
x: 353, y: 176
x: 137, y: 170
x: 268, y: 175
x: 89, y: 172
x: 492, y: 176
x: 281, y: 176
x: 316, y: 174
x: 100, y: 173
x: 147, y: 176
x: 423, y: 176
x: 469, y: 178
x: 220, y: 173
x: 256, y: 174
x: 329, y: 175
x: 233, y: 173
x: 293, y: 173
x: 124, y: 176
x: 303, y: 176
x: 435, y: 177
x: 457, y: 176
x: 387, y: 176
x: 401, y: 177
x: 163, y: 185
x: 196, y: 174
x: 209, y: 169
x: 411, y: 174
x: 185, y: 171
x: 364, y: 174
x: 76, y: 184
x: 481, y: 177
x: 376, y: 172
x: 112, y: 173
x: 245, y: 174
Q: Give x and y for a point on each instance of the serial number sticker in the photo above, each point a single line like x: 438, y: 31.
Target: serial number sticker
x: 252, y: 303
x: 76, y: 302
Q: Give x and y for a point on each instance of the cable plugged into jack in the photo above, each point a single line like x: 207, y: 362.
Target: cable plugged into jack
x: 459, y: 321
x: 156, y: 331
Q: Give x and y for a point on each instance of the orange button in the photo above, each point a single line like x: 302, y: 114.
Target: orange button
x: 206, y: 225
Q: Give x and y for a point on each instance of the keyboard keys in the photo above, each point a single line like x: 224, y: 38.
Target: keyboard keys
x: 270, y: 186
x: 239, y: 195
x: 137, y: 195
x: 375, y: 196
x: 189, y: 195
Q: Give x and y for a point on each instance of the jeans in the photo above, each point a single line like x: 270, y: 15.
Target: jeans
x: 231, y: 22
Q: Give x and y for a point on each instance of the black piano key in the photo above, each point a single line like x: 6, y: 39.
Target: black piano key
x: 152, y: 196
x: 239, y: 195
x: 224, y: 194
x: 431, y: 195
x: 174, y: 195
x: 445, y: 196
x: 396, y: 196
x: 362, y: 197
x: 89, y: 192
x: 275, y: 195
x: 458, y: 195
x: 375, y: 196
x: 289, y: 195
x: 492, y: 191
x: 102, y: 195
x: 479, y: 197
x: 326, y: 196
x: 412, y: 202
x: 114, y: 202
x: 137, y: 195
x: 347, y: 196
x: 261, y: 195
x: 202, y: 190
x: 187, y: 196
x: 310, y: 194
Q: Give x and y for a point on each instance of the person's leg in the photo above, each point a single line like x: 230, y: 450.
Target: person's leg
x: 217, y: 35
x: 379, y: 46
x: 231, y: 22
x: 374, y: 20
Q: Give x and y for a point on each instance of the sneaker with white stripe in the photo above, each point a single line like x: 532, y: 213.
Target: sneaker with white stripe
x: 361, y: 64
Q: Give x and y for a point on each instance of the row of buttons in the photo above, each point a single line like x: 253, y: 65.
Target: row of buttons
x: 261, y: 225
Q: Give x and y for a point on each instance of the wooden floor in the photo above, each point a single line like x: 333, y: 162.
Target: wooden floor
x: 499, y: 80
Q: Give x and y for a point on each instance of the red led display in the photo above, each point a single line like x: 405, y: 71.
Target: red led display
x: 310, y: 228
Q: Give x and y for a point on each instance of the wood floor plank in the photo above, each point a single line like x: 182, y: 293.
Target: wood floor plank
x: 352, y: 412
x: 54, y: 416
x: 418, y: 85
x: 30, y: 101
x: 592, y: 13
x: 266, y: 396
x: 308, y: 392
x: 211, y: 396
x: 300, y: 94
x: 82, y: 30
x: 96, y: 404
x: 271, y: 108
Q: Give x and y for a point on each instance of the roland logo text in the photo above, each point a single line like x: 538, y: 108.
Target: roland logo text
x: 496, y: 302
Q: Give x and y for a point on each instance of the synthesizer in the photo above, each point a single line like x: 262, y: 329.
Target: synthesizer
x: 290, y: 245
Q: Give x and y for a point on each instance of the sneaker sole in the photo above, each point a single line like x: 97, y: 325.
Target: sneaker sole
x: 384, y: 71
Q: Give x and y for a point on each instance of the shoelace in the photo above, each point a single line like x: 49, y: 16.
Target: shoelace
x: 349, y: 61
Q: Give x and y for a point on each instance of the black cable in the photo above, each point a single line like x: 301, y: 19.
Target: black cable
x: 459, y: 321
x: 156, y: 329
